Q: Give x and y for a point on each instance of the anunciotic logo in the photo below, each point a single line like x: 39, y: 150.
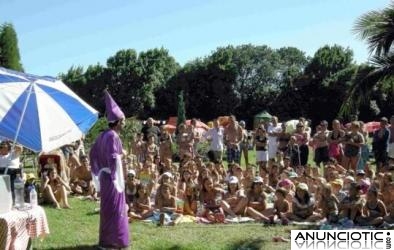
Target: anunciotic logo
x: 341, y: 239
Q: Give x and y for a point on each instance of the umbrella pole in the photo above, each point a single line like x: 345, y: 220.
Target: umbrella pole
x: 20, y: 121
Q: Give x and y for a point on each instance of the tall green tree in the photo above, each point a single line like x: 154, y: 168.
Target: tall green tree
x: 318, y: 92
x: 329, y: 60
x: 9, y: 51
x: 181, y: 109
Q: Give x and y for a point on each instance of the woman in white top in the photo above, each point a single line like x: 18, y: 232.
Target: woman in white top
x: 9, y: 161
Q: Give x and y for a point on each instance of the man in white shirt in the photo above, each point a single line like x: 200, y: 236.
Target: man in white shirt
x: 215, y: 135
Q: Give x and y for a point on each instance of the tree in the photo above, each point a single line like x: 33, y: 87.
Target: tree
x: 157, y: 67
x: 181, y: 109
x: 292, y: 64
x: 318, y: 91
x: 9, y: 51
x: 377, y: 28
x: 328, y: 60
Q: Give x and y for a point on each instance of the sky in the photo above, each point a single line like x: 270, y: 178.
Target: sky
x: 54, y: 35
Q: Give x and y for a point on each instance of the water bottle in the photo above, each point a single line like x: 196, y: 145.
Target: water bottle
x: 33, y: 197
x: 19, y: 191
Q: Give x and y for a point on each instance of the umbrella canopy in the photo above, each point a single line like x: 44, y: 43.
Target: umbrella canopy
x: 41, y: 113
x: 169, y: 128
x: 370, y: 127
x: 172, y: 121
x: 263, y: 115
x: 199, y: 124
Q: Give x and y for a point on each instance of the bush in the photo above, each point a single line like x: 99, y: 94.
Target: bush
x: 131, y: 128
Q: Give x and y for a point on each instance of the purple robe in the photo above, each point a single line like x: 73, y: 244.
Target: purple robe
x: 105, y: 157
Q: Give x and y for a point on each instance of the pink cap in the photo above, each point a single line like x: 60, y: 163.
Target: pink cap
x: 114, y: 113
x: 285, y: 183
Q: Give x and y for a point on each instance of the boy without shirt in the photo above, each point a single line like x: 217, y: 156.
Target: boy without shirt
x: 233, y: 135
x: 81, y: 179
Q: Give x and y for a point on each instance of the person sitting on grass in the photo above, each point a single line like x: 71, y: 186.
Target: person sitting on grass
x: 211, y: 197
x: 289, y: 186
x: 51, y: 164
x: 190, y: 199
x: 186, y: 179
x: 336, y: 186
x: 389, y: 218
x: 249, y: 174
x: 235, y: 201
x: 141, y: 208
x: 166, y: 178
x: 328, y: 204
x: 281, y: 205
x: 131, y: 187
x: 374, y: 210
x: 273, y: 176
x: 257, y: 206
x: 81, y: 181
x: 166, y: 204
x: 351, y: 206
x: 303, y: 205
x: 387, y: 187
x: 55, y: 189
x: 219, y: 167
x: 147, y: 176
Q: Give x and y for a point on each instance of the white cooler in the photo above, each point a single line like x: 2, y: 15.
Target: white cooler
x: 5, y: 194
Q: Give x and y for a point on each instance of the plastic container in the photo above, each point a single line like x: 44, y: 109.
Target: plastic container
x: 5, y: 194
x: 33, y: 197
x: 19, y: 190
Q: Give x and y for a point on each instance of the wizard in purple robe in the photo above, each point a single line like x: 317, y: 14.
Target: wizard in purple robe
x: 107, y: 171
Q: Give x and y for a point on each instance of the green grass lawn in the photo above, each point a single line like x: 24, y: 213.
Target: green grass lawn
x: 77, y: 228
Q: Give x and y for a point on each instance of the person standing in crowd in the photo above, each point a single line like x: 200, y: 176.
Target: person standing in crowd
x: 261, y: 142
x: 283, y: 139
x: 106, y: 165
x: 215, y: 136
x: 9, y: 161
x: 151, y: 129
x: 334, y: 140
x: 380, y: 144
x: 273, y: 131
x: 196, y: 135
x: 233, y: 136
x: 245, y: 143
x: 353, y: 141
x: 302, y: 139
x: 320, y: 142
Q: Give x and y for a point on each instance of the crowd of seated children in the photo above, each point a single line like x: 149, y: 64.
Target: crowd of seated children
x: 278, y: 190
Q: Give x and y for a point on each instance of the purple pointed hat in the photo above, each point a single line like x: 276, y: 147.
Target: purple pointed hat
x: 114, y: 113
